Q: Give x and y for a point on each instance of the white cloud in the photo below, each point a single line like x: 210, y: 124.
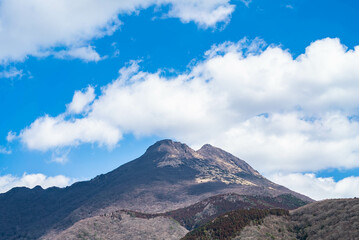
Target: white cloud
x: 289, y: 6
x: 203, y: 12
x: 60, y: 156
x: 288, y: 142
x: 276, y: 112
x: 11, y: 136
x: 4, y: 150
x: 246, y: 2
x: 87, y: 54
x: 37, y: 27
x: 81, y: 100
x: 11, y: 73
x: 47, y: 132
x: 319, y: 188
x: 8, y: 182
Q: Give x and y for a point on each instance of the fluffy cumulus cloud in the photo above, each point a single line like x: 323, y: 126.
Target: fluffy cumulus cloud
x: 277, y: 112
x: 203, y: 12
x: 37, y: 27
x: 48, y: 132
x: 81, y: 100
x: 87, y: 54
x: 319, y: 188
x: 8, y: 182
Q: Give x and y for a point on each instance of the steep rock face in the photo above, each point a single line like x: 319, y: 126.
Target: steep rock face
x: 170, y: 175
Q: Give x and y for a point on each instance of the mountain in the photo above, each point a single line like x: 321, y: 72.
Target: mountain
x: 329, y: 219
x: 168, y: 176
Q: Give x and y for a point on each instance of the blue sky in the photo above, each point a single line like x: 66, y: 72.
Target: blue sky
x: 276, y: 82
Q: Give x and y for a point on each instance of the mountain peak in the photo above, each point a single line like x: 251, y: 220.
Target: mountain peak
x: 212, y: 164
x: 206, y: 146
x: 210, y: 151
x: 168, y: 146
x: 170, y: 153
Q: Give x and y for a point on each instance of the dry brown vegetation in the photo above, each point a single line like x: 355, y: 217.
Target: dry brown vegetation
x: 121, y: 225
x: 272, y: 227
x: 111, y: 225
x: 324, y: 220
x: 329, y: 220
x: 198, y: 214
x: 227, y: 226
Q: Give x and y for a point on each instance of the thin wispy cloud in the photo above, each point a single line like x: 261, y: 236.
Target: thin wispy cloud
x: 11, y: 73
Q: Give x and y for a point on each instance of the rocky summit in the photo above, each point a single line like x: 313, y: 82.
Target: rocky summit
x: 167, y: 177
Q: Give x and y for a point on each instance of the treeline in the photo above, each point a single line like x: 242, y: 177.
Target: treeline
x: 229, y: 225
